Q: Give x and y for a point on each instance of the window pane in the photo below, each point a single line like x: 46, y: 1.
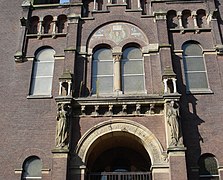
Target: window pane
x: 103, y: 54
x: 102, y: 84
x: 43, y: 69
x: 45, y: 55
x: 132, y: 67
x: 102, y: 68
x: 32, y: 168
x: 42, y: 72
x: 194, y: 67
x: 133, y: 84
x: 132, y: 53
x: 192, y: 50
x: 197, y: 80
x: 41, y: 86
x: 194, y: 64
x: 102, y: 71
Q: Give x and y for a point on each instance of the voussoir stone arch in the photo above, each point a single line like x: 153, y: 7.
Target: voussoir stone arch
x: 142, y: 134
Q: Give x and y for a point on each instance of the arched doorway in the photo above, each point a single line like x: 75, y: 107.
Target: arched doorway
x: 119, y: 149
x: 118, y: 152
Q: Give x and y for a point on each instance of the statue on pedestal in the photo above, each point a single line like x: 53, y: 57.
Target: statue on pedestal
x: 174, y: 124
x: 62, y: 126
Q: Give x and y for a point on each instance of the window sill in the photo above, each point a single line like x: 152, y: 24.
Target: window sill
x: 203, y: 91
x: 38, y: 36
x: 184, y: 30
x: 39, y: 97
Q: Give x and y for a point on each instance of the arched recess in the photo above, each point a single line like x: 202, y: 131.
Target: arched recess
x: 117, y: 34
x: 131, y: 129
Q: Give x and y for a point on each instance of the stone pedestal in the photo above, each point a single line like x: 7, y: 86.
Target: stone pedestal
x: 160, y: 173
x: 177, y: 163
x: 221, y: 172
x: 60, y: 158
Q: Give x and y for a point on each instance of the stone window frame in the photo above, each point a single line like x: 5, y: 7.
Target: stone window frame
x: 95, y: 75
x: 32, y: 93
x: 117, y: 73
x: 25, y: 166
x: 195, y: 90
x: 201, y: 163
x: 141, y: 74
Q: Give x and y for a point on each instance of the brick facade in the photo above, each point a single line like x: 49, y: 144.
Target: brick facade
x: 99, y: 124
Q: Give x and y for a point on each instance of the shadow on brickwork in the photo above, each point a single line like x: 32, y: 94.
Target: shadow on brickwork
x: 73, y: 159
x: 190, y: 123
x: 218, y: 15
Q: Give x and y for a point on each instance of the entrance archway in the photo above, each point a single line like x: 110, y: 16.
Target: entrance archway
x: 116, y: 152
x: 120, y: 145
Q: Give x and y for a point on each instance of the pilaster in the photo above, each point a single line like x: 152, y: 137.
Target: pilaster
x: 22, y: 42
x: 177, y: 163
x: 60, y: 159
x: 164, y: 46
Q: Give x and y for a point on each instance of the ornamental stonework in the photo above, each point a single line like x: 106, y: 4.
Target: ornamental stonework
x: 118, y: 32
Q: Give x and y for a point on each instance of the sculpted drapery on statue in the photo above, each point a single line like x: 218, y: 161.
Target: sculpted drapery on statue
x: 62, y: 134
x: 174, y: 124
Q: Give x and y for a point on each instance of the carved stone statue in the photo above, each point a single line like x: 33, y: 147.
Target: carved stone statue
x: 62, y: 126
x: 173, y: 122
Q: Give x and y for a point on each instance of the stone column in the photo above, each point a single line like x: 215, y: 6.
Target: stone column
x: 54, y: 27
x: 117, y: 73
x: 194, y: 16
x: 179, y: 16
x: 165, y: 85
x: 174, y: 80
x: 40, y: 27
x: 60, y: 88
x: 139, y: 4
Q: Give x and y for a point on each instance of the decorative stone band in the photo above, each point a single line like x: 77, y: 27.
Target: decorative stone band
x: 116, y: 107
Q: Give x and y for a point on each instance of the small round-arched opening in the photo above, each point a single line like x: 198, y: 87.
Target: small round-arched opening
x: 47, y: 24
x: 172, y: 19
x: 61, y: 23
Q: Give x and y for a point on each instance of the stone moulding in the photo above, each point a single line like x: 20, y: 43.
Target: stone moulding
x: 142, y: 134
x: 138, y: 106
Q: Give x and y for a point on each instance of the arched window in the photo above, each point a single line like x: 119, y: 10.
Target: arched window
x: 208, y: 167
x: 42, y: 75
x: 132, y: 70
x: 102, y: 71
x: 32, y: 167
x: 194, y: 67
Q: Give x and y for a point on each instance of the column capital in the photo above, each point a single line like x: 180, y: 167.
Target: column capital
x: 117, y: 57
